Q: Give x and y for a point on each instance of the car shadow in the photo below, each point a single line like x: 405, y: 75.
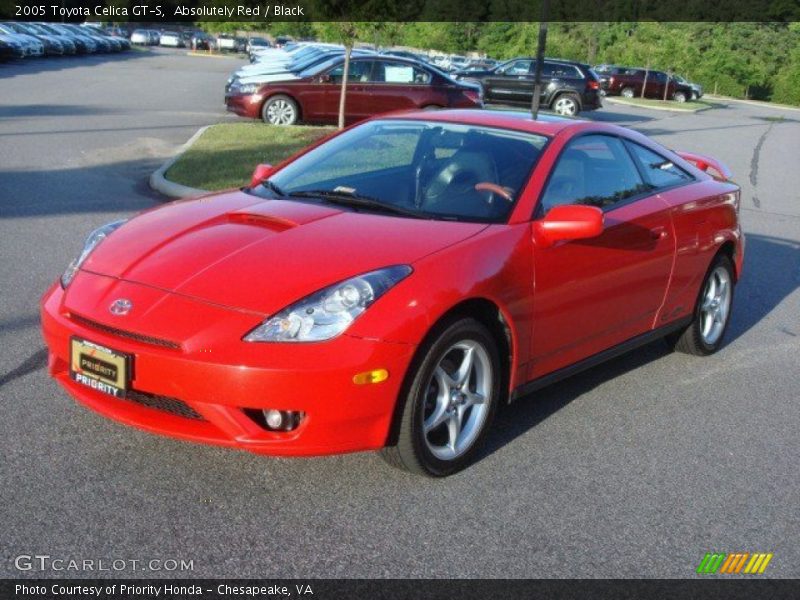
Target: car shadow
x: 29, y: 66
x: 51, y: 110
x: 770, y: 275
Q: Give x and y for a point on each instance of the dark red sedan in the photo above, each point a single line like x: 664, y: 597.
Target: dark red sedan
x: 375, y: 85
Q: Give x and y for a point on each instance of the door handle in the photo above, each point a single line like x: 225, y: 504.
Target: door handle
x: 658, y: 233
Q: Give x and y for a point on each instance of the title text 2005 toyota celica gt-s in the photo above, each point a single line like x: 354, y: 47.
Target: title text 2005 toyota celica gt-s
x: 389, y: 287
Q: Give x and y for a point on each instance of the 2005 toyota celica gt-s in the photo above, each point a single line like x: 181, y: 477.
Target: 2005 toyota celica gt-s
x: 391, y: 286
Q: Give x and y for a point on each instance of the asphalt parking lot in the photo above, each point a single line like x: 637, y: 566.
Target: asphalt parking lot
x: 636, y: 468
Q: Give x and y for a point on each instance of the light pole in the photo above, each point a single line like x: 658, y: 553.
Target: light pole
x: 537, y: 76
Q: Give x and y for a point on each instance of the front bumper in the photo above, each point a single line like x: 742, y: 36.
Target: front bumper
x: 219, y: 384
x: 244, y: 105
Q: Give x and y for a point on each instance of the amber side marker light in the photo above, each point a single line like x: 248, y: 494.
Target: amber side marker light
x: 374, y: 376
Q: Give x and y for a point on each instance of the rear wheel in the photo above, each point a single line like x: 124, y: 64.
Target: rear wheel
x: 567, y: 105
x: 711, y: 314
x: 451, y: 401
x: 280, y: 110
x: 627, y: 92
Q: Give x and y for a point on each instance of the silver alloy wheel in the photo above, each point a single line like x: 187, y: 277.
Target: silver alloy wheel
x: 680, y: 97
x: 280, y: 112
x: 457, y: 400
x: 627, y: 92
x: 566, y: 106
x: 715, y: 305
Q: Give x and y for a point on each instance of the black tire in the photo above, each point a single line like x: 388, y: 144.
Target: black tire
x: 284, y: 103
x: 679, y: 97
x: 412, y: 452
x: 627, y: 92
x: 691, y: 340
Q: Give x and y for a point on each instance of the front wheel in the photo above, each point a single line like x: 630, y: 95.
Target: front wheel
x: 566, y: 105
x: 280, y: 110
x: 450, y: 402
x: 679, y: 97
x: 711, y: 314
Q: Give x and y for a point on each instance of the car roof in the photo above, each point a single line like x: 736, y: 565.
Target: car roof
x: 548, y: 125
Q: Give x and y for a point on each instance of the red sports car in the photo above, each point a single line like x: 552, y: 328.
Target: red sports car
x: 389, y: 287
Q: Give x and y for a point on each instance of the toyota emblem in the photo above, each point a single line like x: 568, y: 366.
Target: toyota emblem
x: 120, y: 306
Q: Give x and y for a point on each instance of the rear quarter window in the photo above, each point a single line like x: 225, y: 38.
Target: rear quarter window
x: 659, y: 172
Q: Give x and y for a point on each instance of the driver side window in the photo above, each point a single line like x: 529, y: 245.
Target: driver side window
x: 519, y: 67
x: 595, y: 170
x: 359, y: 71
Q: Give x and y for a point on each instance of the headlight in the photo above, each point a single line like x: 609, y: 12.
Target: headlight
x: 94, y: 239
x: 247, y: 88
x: 329, y: 312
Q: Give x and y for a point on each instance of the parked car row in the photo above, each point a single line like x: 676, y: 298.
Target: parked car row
x: 303, y: 83
x: 629, y: 82
x: 21, y: 40
x: 294, y: 82
x: 195, y: 40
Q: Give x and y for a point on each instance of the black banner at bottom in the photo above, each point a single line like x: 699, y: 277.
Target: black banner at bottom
x: 400, y: 589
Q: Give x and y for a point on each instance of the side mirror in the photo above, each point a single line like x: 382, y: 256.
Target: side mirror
x: 568, y: 222
x: 260, y: 173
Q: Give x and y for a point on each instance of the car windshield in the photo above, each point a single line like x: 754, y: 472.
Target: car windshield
x: 423, y: 169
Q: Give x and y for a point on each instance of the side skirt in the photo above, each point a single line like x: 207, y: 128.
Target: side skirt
x: 599, y: 358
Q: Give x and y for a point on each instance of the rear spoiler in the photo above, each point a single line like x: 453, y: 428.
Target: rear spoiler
x: 704, y: 163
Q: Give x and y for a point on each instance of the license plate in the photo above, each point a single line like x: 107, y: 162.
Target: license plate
x: 99, y: 368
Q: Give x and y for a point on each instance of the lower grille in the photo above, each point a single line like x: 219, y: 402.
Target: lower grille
x: 170, y: 405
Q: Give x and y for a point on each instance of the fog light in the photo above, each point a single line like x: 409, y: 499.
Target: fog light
x: 281, y: 420
x: 274, y: 418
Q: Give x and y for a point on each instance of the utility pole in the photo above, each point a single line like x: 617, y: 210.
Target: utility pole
x: 537, y: 76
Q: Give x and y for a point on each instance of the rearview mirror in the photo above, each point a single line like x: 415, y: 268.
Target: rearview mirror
x: 568, y: 222
x: 260, y: 173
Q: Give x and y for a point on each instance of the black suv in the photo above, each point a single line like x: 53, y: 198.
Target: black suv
x: 567, y: 87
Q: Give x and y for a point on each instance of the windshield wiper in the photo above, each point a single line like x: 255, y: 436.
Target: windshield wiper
x: 268, y: 184
x: 354, y: 200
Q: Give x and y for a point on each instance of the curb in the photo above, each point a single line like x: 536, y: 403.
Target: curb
x: 161, y: 184
x: 759, y: 103
x: 662, y: 108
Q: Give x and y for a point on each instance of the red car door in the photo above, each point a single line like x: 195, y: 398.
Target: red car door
x: 396, y: 85
x: 357, y: 102
x: 592, y: 294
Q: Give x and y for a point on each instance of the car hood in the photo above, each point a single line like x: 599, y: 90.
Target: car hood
x: 476, y: 73
x: 250, y: 253
x: 263, y: 70
x: 267, y: 78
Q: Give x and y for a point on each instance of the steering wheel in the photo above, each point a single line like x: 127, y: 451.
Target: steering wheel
x: 493, y: 188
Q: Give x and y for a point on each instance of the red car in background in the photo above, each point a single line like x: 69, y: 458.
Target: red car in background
x: 376, y: 84
x: 391, y: 286
x: 629, y: 81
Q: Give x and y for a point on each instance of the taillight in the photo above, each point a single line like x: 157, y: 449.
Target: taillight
x: 593, y: 85
x: 610, y: 81
x: 474, y: 96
